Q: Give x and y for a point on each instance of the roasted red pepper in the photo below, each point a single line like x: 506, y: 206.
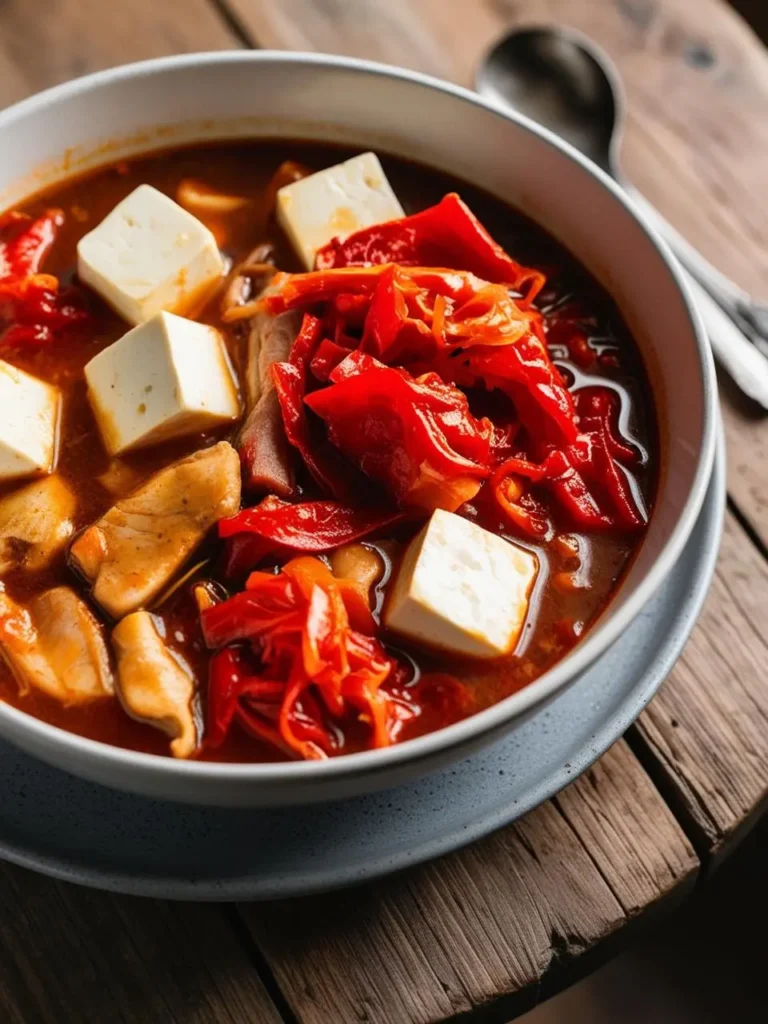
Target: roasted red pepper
x: 524, y: 371
x: 327, y: 357
x: 391, y: 332
x: 471, y: 332
x: 276, y: 527
x: 28, y: 242
x: 33, y: 309
x: 415, y: 436
x: 585, y: 477
x: 304, y: 669
x: 291, y: 380
x: 445, y: 235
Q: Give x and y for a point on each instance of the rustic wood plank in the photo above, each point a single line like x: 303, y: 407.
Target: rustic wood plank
x: 489, y: 922
x: 50, y: 41
x: 708, y: 727
x: 746, y: 431
x: 697, y: 84
x: 73, y: 954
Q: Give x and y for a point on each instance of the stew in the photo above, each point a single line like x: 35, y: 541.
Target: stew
x: 301, y: 453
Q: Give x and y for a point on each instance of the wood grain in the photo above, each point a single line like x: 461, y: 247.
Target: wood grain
x: 76, y: 955
x: 50, y: 41
x: 708, y: 728
x: 486, y: 924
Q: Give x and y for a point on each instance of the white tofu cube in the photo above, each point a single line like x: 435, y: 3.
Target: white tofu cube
x: 461, y: 589
x: 149, y: 254
x: 166, y: 378
x: 335, y: 203
x: 29, y: 424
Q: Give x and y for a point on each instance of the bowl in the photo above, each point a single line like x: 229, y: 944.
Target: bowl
x: 134, y: 109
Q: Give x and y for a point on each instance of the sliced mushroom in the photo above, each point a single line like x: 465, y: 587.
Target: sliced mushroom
x: 359, y: 564
x: 56, y: 646
x: 248, y: 279
x: 154, y: 685
x: 202, y: 199
x: 263, y: 446
x: 35, y: 524
x: 131, y: 553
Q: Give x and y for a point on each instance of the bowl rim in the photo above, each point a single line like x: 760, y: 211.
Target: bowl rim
x: 494, y: 718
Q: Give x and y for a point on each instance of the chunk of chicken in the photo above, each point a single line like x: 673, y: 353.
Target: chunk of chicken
x: 153, y: 685
x: 56, y: 646
x: 263, y: 446
x: 35, y: 524
x: 132, y: 552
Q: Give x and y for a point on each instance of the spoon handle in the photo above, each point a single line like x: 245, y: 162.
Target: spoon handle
x: 737, y: 326
x: 745, y: 364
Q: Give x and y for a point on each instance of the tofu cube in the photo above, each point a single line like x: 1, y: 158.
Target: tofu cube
x: 335, y: 203
x: 461, y: 589
x: 149, y: 254
x: 29, y: 424
x: 165, y: 378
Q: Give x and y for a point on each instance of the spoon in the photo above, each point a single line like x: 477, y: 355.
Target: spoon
x: 561, y: 79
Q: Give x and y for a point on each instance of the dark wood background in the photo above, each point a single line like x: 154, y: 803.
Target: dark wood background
x: 485, y: 933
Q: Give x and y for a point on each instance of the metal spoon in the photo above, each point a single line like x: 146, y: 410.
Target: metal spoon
x: 561, y: 79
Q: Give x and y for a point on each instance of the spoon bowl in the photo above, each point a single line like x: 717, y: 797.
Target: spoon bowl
x: 558, y: 78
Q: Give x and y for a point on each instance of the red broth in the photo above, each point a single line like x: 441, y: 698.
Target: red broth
x: 572, y: 589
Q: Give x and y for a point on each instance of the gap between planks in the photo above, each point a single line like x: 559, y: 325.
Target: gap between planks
x: 492, y: 927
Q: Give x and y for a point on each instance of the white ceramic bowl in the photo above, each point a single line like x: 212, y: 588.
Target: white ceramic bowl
x: 141, y: 107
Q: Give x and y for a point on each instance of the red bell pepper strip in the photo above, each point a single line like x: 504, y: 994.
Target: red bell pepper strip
x: 225, y: 684
x: 412, y: 435
x: 523, y: 371
x: 327, y: 357
x: 290, y: 380
x: 447, y: 235
x: 22, y: 254
x: 275, y: 527
x: 598, y: 409
x: 591, y: 489
x: 391, y: 333
x: 32, y: 307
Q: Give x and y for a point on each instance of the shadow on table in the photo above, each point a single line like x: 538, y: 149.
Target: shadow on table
x: 705, y: 965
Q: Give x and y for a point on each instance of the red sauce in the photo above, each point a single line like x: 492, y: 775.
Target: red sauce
x: 602, y: 353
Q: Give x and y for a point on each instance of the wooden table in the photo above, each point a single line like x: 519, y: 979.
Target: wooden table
x: 485, y: 933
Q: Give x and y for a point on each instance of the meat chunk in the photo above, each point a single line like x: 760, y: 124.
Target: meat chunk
x: 56, y: 646
x: 35, y: 524
x: 154, y: 686
x: 263, y: 446
x: 132, y: 552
